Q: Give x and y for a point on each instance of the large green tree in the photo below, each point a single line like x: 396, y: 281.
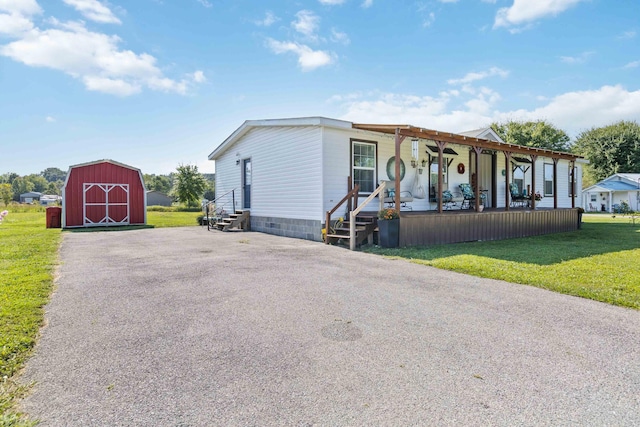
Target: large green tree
x: 610, y: 149
x: 161, y: 183
x: 538, y: 134
x: 20, y: 186
x: 189, y: 185
x: 6, y: 194
x: 53, y: 174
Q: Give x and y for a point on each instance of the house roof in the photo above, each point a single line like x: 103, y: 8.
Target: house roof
x: 31, y: 194
x: 617, y: 182
x: 485, y: 137
x: 417, y: 132
x: 298, y: 121
x: 486, y: 133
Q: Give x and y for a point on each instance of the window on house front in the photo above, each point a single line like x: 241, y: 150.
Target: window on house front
x: 594, y: 198
x: 573, y: 181
x: 518, y: 179
x: 363, y: 165
x: 434, y: 174
x: 548, y: 179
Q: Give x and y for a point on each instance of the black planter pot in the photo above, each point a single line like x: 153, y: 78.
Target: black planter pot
x: 389, y: 233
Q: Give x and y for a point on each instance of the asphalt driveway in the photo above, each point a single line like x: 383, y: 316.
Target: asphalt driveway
x: 184, y: 327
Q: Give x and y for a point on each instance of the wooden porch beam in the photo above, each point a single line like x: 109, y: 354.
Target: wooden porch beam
x: 478, y: 151
x: 396, y: 196
x: 507, y: 173
x: 534, y: 157
x: 572, y: 165
x: 441, y: 146
x: 555, y: 183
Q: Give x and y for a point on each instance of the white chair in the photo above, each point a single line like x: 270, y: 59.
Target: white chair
x: 389, y: 196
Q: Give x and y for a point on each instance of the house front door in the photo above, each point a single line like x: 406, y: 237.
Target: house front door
x: 246, y: 184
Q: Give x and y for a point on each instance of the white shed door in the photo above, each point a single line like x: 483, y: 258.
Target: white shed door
x: 105, y: 204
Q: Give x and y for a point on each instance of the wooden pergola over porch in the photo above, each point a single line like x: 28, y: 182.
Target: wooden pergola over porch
x: 478, y: 145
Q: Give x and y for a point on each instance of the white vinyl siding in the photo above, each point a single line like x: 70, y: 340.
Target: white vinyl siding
x: 287, y: 171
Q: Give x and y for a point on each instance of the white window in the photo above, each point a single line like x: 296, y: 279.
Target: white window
x: 363, y: 165
x: 594, y: 197
x: 548, y: 179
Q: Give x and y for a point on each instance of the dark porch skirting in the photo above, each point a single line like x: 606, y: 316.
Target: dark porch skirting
x: 432, y: 228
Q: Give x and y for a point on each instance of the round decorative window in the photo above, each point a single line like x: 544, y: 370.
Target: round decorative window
x: 391, y: 169
x: 460, y: 168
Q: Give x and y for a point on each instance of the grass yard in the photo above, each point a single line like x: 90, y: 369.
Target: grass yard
x: 599, y: 262
x: 28, y: 256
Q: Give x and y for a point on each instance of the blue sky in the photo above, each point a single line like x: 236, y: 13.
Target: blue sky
x: 157, y: 83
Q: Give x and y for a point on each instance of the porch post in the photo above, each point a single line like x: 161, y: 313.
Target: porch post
x: 555, y: 183
x: 534, y: 157
x: 572, y: 165
x: 478, y: 151
x: 441, y: 145
x: 507, y: 174
x: 396, y: 196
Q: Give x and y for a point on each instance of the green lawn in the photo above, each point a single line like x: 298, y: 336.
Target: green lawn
x: 28, y: 256
x: 598, y: 262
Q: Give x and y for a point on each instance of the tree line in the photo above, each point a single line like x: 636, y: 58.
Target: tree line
x: 610, y: 149
x: 186, y: 185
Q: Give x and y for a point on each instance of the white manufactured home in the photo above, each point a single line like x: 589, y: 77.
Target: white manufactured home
x: 289, y: 172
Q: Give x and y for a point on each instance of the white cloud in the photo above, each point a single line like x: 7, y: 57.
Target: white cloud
x: 14, y: 24
x: 571, y: 111
x: 367, y: 3
x: 524, y: 12
x: 198, y: 77
x: 307, y: 23
x: 630, y: 65
x: 430, y: 19
x: 93, y: 58
x: 331, y: 2
x: 580, y: 59
x: 474, y: 76
x: 628, y: 35
x: 448, y: 1
x: 308, y: 59
x: 50, y: 119
x: 268, y: 20
x: 94, y: 10
x: 20, y: 7
x: 339, y: 37
x: 205, y: 3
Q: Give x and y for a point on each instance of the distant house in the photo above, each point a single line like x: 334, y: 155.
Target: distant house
x: 50, y: 199
x: 606, y: 194
x: 157, y: 198
x: 30, y: 197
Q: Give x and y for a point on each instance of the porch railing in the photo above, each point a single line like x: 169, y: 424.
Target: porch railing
x: 354, y: 213
x: 351, y: 197
x: 220, y: 207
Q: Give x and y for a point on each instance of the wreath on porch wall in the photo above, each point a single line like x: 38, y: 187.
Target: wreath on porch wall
x: 460, y: 168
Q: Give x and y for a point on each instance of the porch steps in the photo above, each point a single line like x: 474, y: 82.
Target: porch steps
x: 240, y: 220
x: 365, y: 227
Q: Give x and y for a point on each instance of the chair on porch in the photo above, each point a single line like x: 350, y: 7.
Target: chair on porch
x: 517, y: 198
x: 389, y: 196
x: 468, y: 196
x: 447, y: 200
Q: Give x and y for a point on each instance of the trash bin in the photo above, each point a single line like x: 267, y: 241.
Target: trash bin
x: 54, y: 217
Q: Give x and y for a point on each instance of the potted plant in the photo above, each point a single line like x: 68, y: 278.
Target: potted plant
x: 389, y: 228
x: 535, y: 198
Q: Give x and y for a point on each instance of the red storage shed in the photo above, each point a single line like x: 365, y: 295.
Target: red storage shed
x: 103, y: 193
